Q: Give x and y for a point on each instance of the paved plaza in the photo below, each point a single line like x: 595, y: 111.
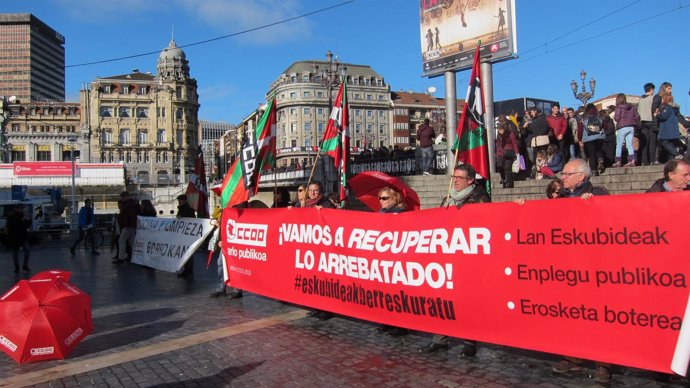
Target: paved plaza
x: 154, y: 329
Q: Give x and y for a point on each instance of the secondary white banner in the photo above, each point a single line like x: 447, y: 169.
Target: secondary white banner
x: 167, y: 243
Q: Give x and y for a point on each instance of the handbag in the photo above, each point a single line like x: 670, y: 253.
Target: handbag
x: 521, y: 160
x: 540, y: 140
x: 516, y: 166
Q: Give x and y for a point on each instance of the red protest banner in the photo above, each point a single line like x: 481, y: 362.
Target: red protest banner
x: 603, y: 279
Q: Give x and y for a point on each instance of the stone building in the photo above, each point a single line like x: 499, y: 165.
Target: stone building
x: 148, y: 122
x: 43, y: 131
x: 304, y: 94
x: 211, y: 133
x: 409, y: 111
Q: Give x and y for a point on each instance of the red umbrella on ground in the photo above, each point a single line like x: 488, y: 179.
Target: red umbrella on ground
x: 53, y: 274
x: 43, y: 319
x: 366, y: 185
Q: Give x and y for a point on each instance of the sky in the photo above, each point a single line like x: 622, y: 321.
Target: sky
x: 621, y: 43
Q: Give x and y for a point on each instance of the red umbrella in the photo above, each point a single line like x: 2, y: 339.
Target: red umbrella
x: 366, y: 185
x: 52, y: 274
x: 43, y: 319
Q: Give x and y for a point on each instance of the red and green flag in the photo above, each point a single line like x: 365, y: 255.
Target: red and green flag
x: 336, y: 139
x: 471, y: 142
x: 258, y: 153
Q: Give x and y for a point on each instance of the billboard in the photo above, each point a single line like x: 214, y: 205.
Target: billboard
x: 42, y: 168
x: 450, y: 29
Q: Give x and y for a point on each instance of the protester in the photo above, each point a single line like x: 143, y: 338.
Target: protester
x: 185, y: 211
x: 425, y: 137
x: 554, y: 188
x: 669, y: 134
x: 609, y: 128
x: 147, y: 208
x: 18, y: 224
x: 538, y: 135
x: 316, y: 199
x: 593, y: 138
x: 540, y: 164
x: 465, y: 191
x: 558, y: 126
x: 574, y: 129
x: 127, y: 221
x: 648, y: 129
x: 214, y: 250
x: 87, y: 225
x: 391, y: 202
x: 627, y: 120
x: 554, y: 161
x: 281, y: 198
x: 300, y: 196
x: 575, y: 176
x: 676, y: 177
x: 507, y: 150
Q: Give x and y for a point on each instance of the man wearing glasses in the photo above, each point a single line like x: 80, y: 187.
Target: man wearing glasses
x: 465, y: 191
x: 575, y: 176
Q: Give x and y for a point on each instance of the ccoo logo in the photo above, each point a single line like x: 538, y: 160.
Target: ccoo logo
x: 246, y: 234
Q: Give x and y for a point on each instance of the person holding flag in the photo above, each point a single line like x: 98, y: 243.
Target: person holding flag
x: 336, y: 139
x: 197, y: 195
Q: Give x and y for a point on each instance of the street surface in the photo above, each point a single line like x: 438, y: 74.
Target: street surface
x: 153, y: 329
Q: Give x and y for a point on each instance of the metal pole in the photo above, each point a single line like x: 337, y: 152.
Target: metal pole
x: 451, y: 118
x: 488, y: 89
x: 74, y: 195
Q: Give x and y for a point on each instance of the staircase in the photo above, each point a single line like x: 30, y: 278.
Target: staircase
x: 624, y: 180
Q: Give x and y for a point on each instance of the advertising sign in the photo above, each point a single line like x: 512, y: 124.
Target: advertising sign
x: 598, y: 281
x: 450, y: 30
x: 42, y: 168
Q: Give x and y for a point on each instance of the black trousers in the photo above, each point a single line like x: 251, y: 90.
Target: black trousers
x: 505, y: 165
x: 595, y: 153
x: 648, y: 135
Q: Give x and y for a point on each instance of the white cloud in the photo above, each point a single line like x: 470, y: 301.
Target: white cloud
x: 231, y: 16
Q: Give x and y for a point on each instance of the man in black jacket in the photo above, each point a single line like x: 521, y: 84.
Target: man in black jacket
x: 184, y: 210
x: 676, y: 177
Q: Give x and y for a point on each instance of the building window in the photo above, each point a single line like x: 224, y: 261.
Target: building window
x: 317, y: 78
x: 124, y: 136
x: 370, y: 113
x: 18, y: 156
x: 147, y: 157
x: 293, y: 95
x: 106, y: 89
x: 160, y: 136
x: 293, y: 78
x: 15, y: 127
x: 165, y: 157
x: 381, y: 113
x: 305, y: 77
x: 367, y: 81
x: 293, y: 143
x: 160, y: 112
x: 358, y: 112
x: 106, y: 111
x: 357, y: 96
x: 306, y: 111
x: 379, y: 82
x: 319, y: 111
x: 143, y: 89
x: 138, y: 157
x: 319, y: 94
x: 158, y: 157
x: 382, y: 128
x: 143, y: 112
x: 380, y: 97
x: 125, y: 89
x: 307, y: 142
x: 178, y: 92
x: 358, y: 128
x: 293, y: 111
x: 319, y: 127
x: 125, y: 111
x: 355, y: 80
x: 369, y: 128
x: 307, y: 127
x: 107, y: 137
x: 307, y: 94
x: 179, y: 114
x: 128, y: 157
x: 370, y: 97
x: 142, y: 137
x: 43, y: 155
x: 293, y: 128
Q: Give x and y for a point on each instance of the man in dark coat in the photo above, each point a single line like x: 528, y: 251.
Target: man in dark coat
x: 127, y: 221
x: 465, y: 191
x: 18, y: 224
x: 184, y: 210
x: 676, y: 177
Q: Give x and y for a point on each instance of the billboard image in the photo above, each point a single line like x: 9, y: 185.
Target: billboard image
x: 450, y: 29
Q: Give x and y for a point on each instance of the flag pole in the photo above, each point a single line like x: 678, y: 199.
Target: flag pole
x: 450, y: 184
x: 313, y: 166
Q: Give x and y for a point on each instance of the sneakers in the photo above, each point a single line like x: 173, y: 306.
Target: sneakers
x: 470, y: 349
x: 426, y: 173
x: 602, y: 375
x: 433, y: 347
x: 566, y: 366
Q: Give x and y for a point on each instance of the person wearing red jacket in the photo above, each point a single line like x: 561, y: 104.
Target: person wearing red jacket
x: 558, y: 125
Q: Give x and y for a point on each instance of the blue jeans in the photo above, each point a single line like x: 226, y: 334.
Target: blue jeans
x: 427, y: 158
x: 625, y: 133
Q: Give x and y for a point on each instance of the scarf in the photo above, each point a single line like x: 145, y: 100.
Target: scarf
x: 313, y: 202
x: 458, y: 197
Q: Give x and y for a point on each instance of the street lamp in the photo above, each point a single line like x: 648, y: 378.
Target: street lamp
x: 584, y: 95
x: 332, y: 75
x: 73, y: 140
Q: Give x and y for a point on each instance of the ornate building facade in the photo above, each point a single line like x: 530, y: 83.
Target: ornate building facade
x: 148, y: 122
x: 304, y: 94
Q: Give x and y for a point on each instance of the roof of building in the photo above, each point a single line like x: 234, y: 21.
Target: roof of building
x: 135, y: 76
x: 350, y: 69
x: 420, y: 99
x: 172, y: 52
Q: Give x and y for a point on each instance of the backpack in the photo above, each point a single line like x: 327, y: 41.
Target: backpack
x: 594, y: 125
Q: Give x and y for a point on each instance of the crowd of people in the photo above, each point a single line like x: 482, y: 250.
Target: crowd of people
x: 621, y: 135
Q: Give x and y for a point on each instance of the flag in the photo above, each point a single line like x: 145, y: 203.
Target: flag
x: 257, y: 153
x: 197, y: 194
x: 471, y: 142
x: 336, y: 139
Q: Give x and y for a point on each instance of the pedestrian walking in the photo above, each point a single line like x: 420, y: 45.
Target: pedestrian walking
x: 18, y: 223
x: 87, y: 225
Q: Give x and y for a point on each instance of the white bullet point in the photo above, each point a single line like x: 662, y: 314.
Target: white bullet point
x: 508, y: 271
x: 511, y: 305
x: 508, y: 236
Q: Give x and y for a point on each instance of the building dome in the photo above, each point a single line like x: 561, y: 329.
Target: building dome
x: 172, y: 52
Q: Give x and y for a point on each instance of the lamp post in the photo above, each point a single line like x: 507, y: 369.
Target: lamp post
x: 584, y: 95
x: 73, y: 140
x: 332, y: 75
